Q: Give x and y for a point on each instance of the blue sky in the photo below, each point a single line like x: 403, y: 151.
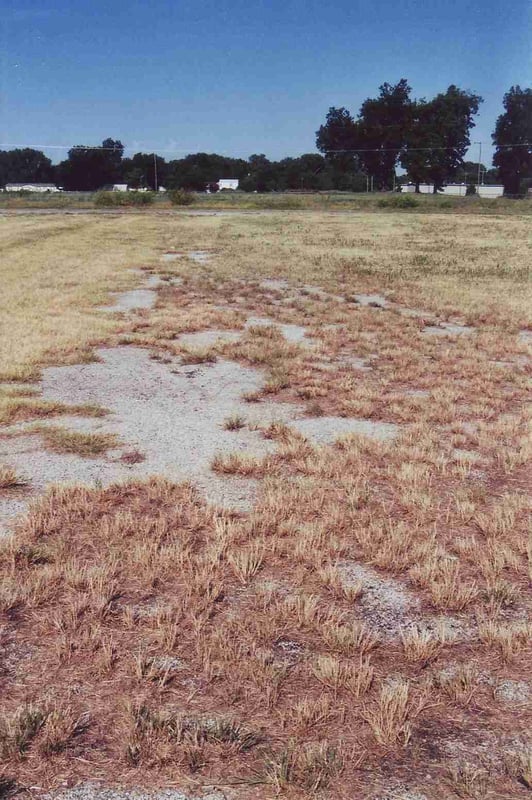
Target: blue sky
x: 241, y: 76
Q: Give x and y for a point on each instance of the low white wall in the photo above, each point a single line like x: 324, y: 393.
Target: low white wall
x: 456, y: 190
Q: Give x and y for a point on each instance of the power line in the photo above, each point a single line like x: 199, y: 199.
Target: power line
x: 86, y: 147
x: 416, y: 149
x: 183, y: 150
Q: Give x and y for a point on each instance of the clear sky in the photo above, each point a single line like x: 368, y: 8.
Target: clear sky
x: 241, y: 76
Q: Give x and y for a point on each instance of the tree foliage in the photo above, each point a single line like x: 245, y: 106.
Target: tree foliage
x: 25, y: 166
x: 438, y: 136
x: 90, y: 168
x: 382, y: 130
x: 429, y: 138
x: 512, y: 138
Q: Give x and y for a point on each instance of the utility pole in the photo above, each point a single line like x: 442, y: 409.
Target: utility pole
x: 155, y: 171
x: 479, y: 160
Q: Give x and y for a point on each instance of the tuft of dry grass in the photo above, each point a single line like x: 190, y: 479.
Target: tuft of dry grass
x: 336, y: 674
x: 469, y: 781
x: 246, y: 563
x: 509, y: 639
x: 9, y: 478
x: 393, y: 713
x: 310, y: 766
x: 21, y: 409
x: 234, y: 423
x: 63, y: 440
x: 18, y: 730
x: 423, y: 645
x: 239, y: 464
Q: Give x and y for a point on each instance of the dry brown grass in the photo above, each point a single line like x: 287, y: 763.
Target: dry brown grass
x: 9, y: 479
x: 63, y: 440
x: 188, y: 646
x: 22, y: 409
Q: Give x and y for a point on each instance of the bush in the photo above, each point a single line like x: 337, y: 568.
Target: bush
x: 398, y: 201
x: 123, y: 199
x: 180, y: 197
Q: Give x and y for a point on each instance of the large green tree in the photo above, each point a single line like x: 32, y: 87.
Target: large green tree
x: 513, y: 141
x: 373, y: 141
x: 139, y: 172
x: 90, y: 168
x: 198, y: 170
x: 381, y: 130
x: 25, y: 165
x: 438, y: 136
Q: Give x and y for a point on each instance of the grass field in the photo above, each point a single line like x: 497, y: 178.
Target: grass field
x: 282, y: 201
x: 364, y: 631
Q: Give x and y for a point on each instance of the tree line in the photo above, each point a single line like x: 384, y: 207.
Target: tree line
x: 91, y: 168
x: 428, y: 139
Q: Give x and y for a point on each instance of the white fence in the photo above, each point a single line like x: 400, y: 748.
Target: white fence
x: 456, y: 189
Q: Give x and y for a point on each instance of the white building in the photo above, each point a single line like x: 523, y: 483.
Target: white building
x: 456, y: 189
x: 228, y: 183
x: 31, y: 187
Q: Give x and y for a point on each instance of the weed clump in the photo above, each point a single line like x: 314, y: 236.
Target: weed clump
x: 180, y: 197
x: 123, y: 199
x: 398, y: 201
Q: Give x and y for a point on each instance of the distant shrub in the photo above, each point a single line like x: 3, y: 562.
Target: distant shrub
x: 104, y: 199
x: 180, y: 197
x: 280, y: 202
x: 398, y: 201
x: 123, y: 199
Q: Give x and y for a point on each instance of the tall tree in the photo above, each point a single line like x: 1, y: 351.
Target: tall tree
x: 197, y: 170
x: 89, y: 168
x: 337, y: 138
x: 438, y: 136
x: 139, y: 172
x: 24, y: 166
x: 513, y: 141
x: 381, y: 131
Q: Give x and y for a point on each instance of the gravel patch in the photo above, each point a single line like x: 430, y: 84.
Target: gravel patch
x: 10, y: 509
x: 416, y: 313
x: 40, y: 469
x: 273, y: 285
x: 93, y: 791
x: 320, y: 293
x: 401, y: 793
x: 173, y: 415
x: 199, y: 256
x: 354, y: 362
x: 387, y: 605
x: 371, y: 300
x: 512, y: 691
x: 132, y: 300
x: 154, y: 282
x: 292, y: 333
x: 447, y: 329
x: 325, y: 430
x: 525, y: 337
